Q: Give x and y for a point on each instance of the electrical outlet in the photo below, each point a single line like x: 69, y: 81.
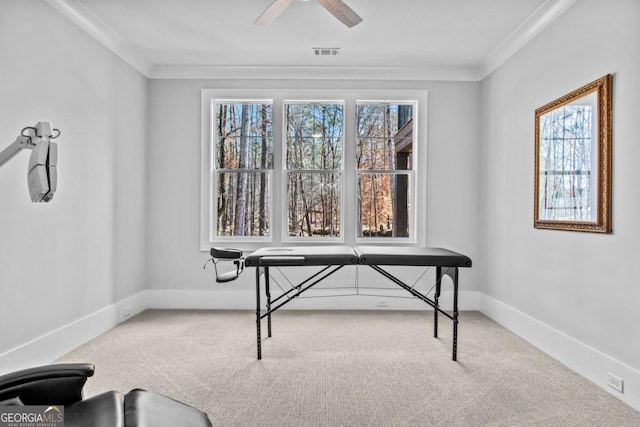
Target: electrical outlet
x: 382, y: 302
x: 615, y: 382
x: 127, y: 312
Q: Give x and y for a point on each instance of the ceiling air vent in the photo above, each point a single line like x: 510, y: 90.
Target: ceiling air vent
x: 326, y: 51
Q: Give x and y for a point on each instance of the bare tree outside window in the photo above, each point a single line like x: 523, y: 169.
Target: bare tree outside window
x: 314, y: 195
x: 243, y: 162
x: 313, y: 146
x: 384, y: 167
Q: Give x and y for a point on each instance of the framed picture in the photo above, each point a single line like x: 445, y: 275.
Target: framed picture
x: 572, y: 183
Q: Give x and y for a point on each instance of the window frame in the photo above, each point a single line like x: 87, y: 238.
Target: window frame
x: 411, y: 173
x: 286, y: 238
x: 348, y: 223
x: 214, y: 171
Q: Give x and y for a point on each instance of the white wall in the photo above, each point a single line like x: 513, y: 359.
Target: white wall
x: 83, y: 251
x: 583, y: 286
x: 175, y: 260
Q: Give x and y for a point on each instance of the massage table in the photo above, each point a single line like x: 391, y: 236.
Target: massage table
x: 333, y: 258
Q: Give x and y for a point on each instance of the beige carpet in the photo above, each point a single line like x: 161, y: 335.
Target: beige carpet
x: 337, y: 368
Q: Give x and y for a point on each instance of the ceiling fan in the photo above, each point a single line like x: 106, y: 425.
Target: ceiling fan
x: 337, y: 8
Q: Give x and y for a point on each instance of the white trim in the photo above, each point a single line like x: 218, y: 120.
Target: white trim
x: 580, y: 357
x: 548, y: 12
x: 267, y: 72
x: 50, y: 346
x: 98, y: 29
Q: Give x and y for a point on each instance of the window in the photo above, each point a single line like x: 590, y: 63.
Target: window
x: 312, y: 167
x: 313, y: 139
x: 384, y: 168
x: 243, y: 160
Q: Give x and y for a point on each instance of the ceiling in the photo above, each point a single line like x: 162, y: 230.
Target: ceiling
x: 434, y: 39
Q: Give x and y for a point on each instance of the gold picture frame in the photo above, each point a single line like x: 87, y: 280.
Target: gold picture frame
x: 572, y: 184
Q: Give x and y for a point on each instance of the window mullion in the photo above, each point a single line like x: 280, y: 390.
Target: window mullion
x: 278, y: 201
x: 349, y: 191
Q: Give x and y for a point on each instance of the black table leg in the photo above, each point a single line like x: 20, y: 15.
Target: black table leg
x: 268, y: 293
x: 452, y: 272
x: 454, y: 276
x: 435, y: 300
x: 258, y: 311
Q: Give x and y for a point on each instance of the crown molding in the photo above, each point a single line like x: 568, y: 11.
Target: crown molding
x: 313, y: 72
x: 548, y: 12
x: 89, y: 22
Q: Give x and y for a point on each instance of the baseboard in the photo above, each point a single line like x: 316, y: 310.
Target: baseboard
x: 581, y: 358
x: 246, y: 300
x: 50, y: 346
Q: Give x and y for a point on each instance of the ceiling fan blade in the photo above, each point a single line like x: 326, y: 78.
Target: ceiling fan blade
x: 340, y: 10
x: 272, y: 12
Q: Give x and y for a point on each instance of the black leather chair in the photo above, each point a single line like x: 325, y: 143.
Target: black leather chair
x: 62, y: 384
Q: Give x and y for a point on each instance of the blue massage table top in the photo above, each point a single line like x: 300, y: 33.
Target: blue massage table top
x: 346, y: 255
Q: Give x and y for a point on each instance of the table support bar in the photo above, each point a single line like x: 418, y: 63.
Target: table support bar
x: 260, y: 315
x: 452, y: 272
